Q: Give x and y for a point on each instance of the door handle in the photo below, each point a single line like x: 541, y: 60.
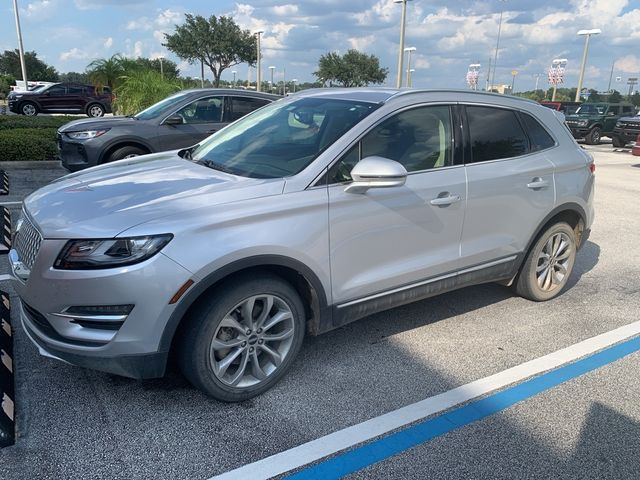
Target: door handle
x: 445, y: 199
x: 537, y: 183
x: 214, y: 130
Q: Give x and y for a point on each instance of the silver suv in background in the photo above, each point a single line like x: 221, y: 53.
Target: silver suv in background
x: 310, y: 213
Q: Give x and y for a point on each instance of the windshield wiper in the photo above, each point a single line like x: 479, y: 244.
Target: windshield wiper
x: 215, y: 166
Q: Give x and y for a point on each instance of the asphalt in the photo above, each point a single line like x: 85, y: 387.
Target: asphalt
x: 76, y: 423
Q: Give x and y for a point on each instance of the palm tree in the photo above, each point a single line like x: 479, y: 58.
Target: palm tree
x: 107, y: 71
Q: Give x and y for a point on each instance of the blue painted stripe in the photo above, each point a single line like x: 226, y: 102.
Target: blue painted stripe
x: 385, y: 447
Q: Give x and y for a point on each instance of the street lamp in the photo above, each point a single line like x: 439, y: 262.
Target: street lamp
x: 401, y: 47
x: 587, y: 34
x: 272, y: 68
x: 258, y: 62
x: 294, y: 80
x: 21, y: 48
x: 410, y: 76
x: 409, y: 50
x: 513, y: 80
x: 495, y: 58
x: 161, y: 58
x: 234, y: 78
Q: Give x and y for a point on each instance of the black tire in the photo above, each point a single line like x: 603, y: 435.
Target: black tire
x: 594, y: 136
x: 618, y: 142
x: 29, y: 109
x: 527, y: 283
x: 125, y: 152
x: 203, y: 323
x: 95, y: 110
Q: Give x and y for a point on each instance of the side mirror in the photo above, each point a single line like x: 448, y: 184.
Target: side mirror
x: 173, y: 120
x: 376, y: 172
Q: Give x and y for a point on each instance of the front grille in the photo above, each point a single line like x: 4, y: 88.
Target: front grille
x: 27, y: 242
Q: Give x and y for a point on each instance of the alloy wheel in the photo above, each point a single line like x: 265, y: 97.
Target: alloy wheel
x: 252, y: 341
x: 29, y: 110
x: 553, y: 262
x: 96, y: 111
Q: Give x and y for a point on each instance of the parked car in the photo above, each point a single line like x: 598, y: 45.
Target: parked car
x: 626, y: 131
x: 567, y: 108
x: 310, y: 213
x: 62, y: 98
x: 179, y: 121
x: 592, y: 121
x: 636, y: 148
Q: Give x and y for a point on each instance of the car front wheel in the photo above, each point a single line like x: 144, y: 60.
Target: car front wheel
x: 618, y: 142
x: 594, y: 136
x: 95, y: 110
x: 29, y: 109
x: 242, y: 340
x: 548, y: 265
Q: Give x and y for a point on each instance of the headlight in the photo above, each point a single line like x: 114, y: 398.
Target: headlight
x: 618, y: 124
x: 15, y: 96
x: 582, y: 123
x: 86, y: 134
x: 111, y: 253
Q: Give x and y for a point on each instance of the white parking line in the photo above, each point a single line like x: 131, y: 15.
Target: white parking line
x: 335, y: 442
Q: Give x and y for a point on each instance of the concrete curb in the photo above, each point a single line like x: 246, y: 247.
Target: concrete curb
x: 7, y: 414
x: 29, y: 165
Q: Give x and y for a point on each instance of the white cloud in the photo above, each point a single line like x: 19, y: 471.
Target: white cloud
x: 137, y: 49
x: 38, y: 10
x: 628, y: 64
x: 361, y: 43
x: 74, y: 54
x: 108, y: 43
x: 285, y: 10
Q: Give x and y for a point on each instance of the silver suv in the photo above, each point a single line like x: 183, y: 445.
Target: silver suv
x: 310, y: 213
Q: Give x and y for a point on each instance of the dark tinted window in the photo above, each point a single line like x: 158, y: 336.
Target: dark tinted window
x: 241, y: 106
x: 615, y: 110
x: 627, y: 109
x: 203, y: 110
x: 56, y: 90
x: 419, y: 139
x: 495, y: 133
x: 75, y: 90
x: 539, y: 137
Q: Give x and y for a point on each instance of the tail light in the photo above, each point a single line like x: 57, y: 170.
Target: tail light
x: 592, y: 167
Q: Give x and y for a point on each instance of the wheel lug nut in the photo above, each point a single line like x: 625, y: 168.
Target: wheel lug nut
x: 251, y: 349
x: 244, y: 344
x: 259, y: 330
x: 248, y: 332
x: 260, y: 341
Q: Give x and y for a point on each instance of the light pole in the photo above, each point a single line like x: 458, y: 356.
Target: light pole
x: 537, y: 75
x: 161, y: 67
x: 401, y: 47
x: 234, y: 78
x: 284, y: 82
x: 513, y: 80
x: 20, y: 47
x: 294, y: 80
x: 410, y: 76
x: 587, y: 34
x: 258, y: 62
x: 495, y: 57
x: 409, y: 50
x: 272, y: 68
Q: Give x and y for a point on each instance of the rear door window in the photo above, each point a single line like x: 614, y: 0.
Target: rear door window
x: 539, y: 137
x: 495, y: 133
x: 240, y: 106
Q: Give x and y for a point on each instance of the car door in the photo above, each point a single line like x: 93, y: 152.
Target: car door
x: 200, y: 118
x: 54, y: 99
x: 510, y: 181
x: 387, y: 238
x: 76, y: 98
x: 611, y: 117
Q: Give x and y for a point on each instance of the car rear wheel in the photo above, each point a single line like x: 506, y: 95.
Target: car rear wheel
x: 594, y: 136
x: 618, y: 142
x: 548, y: 265
x: 95, y: 110
x: 125, y: 152
x: 241, y: 341
x: 29, y: 109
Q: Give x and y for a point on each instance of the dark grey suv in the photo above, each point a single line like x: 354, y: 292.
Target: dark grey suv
x: 179, y: 121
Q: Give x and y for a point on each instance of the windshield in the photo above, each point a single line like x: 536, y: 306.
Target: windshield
x: 161, y: 107
x: 40, y: 88
x: 281, y: 139
x: 590, y: 110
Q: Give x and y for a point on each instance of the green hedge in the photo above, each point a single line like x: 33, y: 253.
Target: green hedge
x: 19, y: 121
x: 28, y: 144
x: 29, y: 138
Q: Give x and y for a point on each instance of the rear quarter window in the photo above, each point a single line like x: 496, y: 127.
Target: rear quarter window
x: 538, y: 135
x: 495, y: 133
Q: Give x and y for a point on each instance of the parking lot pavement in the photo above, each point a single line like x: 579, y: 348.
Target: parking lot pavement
x: 75, y: 423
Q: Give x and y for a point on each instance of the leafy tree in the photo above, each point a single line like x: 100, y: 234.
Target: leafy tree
x: 36, y: 68
x: 353, y: 69
x: 107, y: 71
x: 75, y: 77
x: 635, y: 99
x: 615, y: 97
x: 169, y: 67
x: 5, y: 85
x: 140, y: 89
x: 218, y: 42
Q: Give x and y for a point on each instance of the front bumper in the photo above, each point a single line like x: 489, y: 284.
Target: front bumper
x: 13, y: 106
x: 579, y: 132
x: 78, y: 155
x: 627, y: 135
x: 132, y: 348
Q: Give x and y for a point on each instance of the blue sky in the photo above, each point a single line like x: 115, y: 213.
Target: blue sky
x: 70, y: 33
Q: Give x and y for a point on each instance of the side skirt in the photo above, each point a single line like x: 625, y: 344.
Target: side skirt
x: 499, y: 270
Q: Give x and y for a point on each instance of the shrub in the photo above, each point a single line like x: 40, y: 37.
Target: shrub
x: 9, y: 122
x: 28, y: 144
x: 141, y: 89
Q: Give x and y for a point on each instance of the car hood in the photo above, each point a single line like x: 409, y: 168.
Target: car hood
x: 103, y: 201
x: 97, y: 123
